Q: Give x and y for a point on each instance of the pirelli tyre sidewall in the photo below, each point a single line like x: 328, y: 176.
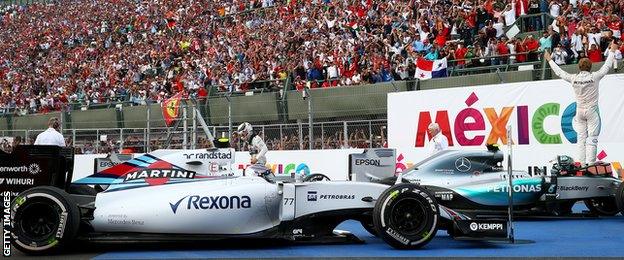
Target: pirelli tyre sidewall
x: 406, y: 216
x: 44, y: 220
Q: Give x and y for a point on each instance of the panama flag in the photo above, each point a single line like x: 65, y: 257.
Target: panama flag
x: 426, y: 69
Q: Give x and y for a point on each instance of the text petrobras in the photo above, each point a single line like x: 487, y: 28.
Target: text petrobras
x: 6, y: 223
x: 160, y: 173
x: 314, y: 196
x: 198, y: 202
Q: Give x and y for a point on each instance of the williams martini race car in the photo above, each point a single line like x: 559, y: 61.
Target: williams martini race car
x: 475, y: 183
x: 168, y: 195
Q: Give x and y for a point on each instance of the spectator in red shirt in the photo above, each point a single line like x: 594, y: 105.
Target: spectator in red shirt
x: 532, y: 46
x: 460, y: 54
x: 502, y: 49
x: 594, y: 54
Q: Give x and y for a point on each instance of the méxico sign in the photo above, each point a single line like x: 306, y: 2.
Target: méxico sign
x: 540, y: 113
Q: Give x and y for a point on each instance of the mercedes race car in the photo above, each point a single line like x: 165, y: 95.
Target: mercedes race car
x: 150, y: 199
x: 476, y: 183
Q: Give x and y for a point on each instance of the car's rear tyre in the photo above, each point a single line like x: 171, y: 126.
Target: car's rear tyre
x: 619, y: 198
x: 406, y: 216
x: 45, y: 219
x: 316, y: 177
x: 605, y: 206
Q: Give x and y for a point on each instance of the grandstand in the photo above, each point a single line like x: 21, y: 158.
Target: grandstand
x: 103, y: 66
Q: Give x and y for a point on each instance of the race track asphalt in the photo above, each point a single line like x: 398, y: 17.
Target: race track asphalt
x: 601, y: 237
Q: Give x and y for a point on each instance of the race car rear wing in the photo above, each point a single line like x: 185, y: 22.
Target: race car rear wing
x: 372, y: 165
x: 36, y: 165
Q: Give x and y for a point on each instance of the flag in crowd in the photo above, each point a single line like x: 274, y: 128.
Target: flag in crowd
x: 427, y: 69
x: 171, y: 109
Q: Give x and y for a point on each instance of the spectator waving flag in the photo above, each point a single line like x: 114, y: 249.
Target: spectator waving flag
x: 426, y: 69
x: 171, y: 108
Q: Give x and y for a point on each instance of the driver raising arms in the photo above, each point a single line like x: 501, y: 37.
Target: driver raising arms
x: 585, y: 85
x: 257, y: 147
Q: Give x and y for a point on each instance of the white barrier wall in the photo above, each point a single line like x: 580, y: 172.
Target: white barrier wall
x: 333, y: 163
x: 540, y: 113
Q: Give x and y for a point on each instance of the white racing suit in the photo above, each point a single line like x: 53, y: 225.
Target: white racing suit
x: 258, y: 149
x: 587, y: 119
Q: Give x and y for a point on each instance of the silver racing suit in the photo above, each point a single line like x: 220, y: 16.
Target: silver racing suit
x: 258, y: 148
x: 587, y: 119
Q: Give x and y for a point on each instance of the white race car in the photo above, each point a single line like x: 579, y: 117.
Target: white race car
x: 169, y: 195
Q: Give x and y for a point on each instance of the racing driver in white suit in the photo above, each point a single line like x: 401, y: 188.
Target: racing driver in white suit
x: 257, y: 148
x: 585, y: 85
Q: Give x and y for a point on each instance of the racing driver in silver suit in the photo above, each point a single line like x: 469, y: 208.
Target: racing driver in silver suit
x: 257, y: 148
x: 585, y: 85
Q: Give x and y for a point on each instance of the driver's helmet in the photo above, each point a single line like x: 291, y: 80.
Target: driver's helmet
x: 244, y: 128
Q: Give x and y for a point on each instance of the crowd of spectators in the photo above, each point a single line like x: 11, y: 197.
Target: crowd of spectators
x: 90, y: 52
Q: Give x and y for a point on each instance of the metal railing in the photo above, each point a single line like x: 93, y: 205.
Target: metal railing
x: 532, y: 23
x: 327, y: 135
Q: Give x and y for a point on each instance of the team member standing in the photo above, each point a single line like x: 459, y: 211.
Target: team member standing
x: 585, y: 85
x: 52, y: 135
x: 257, y: 147
x: 438, y: 142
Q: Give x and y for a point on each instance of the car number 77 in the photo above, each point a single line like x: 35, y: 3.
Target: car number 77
x: 289, y: 201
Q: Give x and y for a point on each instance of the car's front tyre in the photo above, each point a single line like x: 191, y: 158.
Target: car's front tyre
x: 44, y: 220
x: 406, y: 216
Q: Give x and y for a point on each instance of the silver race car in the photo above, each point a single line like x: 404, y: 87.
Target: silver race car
x: 179, y: 195
x: 475, y: 183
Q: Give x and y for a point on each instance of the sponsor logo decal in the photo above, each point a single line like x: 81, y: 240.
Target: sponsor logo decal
x: 573, y: 188
x: 6, y: 223
x: 444, y: 195
x: 314, y: 196
x: 197, y: 202
x: 17, y: 181
x: 209, y: 155
x: 122, y: 219
x: 159, y: 173
x: 517, y: 188
x: 462, y: 164
x: 102, y: 164
x: 32, y: 168
x: 485, y: 226
x: 374, y: 162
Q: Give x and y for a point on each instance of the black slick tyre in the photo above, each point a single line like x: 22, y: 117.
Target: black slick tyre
x: 406, y: 216
x: 44, y: 220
